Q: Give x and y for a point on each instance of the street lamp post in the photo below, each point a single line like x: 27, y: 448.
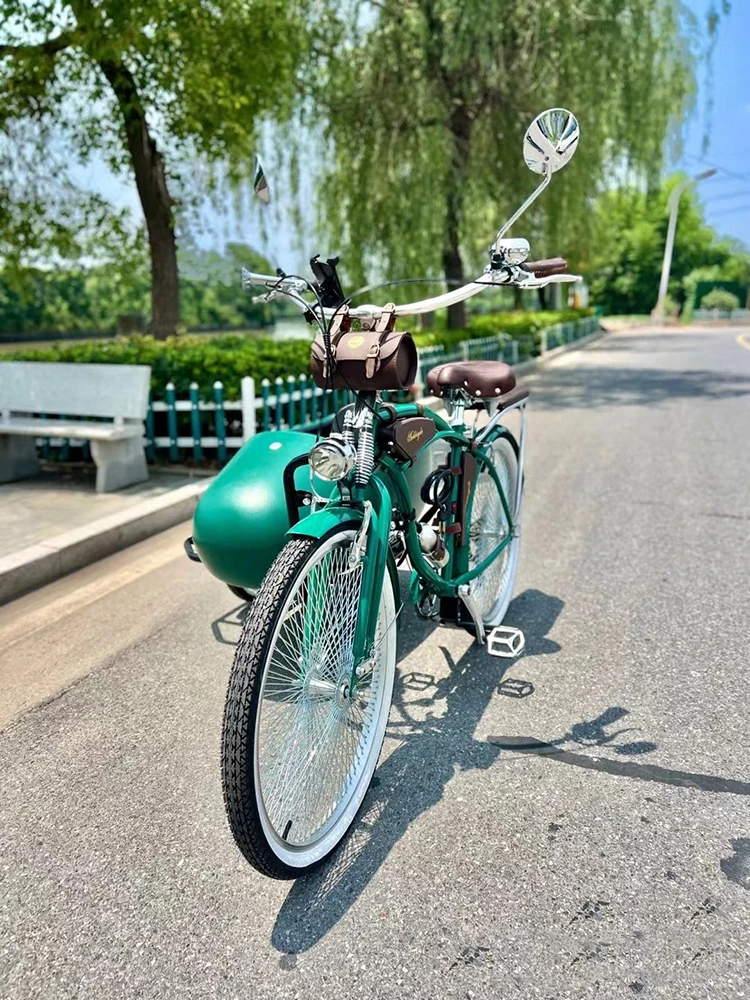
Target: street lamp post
x: 673, y: 205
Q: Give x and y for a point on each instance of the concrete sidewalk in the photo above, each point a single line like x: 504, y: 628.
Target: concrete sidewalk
x: 56, y: 523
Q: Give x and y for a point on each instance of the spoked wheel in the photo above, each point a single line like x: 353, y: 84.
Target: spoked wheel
x: 493, y: 589
x: 298, y: 748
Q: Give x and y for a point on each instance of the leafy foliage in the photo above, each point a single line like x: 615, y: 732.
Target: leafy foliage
x: 140, y: 83
x: 205, y: 72
x: 229, y: 357
x: 84, y: 297
x: 423, y: 106
x: 629, y: 233
x: 720, y: 298
x: 522, y: 326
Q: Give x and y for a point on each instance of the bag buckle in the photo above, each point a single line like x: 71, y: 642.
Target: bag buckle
x: 372, y: 361
x: 387, y: 319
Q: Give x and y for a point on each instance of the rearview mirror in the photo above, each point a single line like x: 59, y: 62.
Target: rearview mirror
x: 551, y: 140
x: 549, y: 143
x: 260, y: 183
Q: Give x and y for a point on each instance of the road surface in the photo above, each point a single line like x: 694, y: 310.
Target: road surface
x: 591, y: 839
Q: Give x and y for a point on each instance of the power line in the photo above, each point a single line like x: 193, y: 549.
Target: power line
x: 718, y: 166
x: 727, y: 194
x: 734, y: 211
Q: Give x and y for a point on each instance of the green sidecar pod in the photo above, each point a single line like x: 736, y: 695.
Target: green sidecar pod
x: 241, y: 520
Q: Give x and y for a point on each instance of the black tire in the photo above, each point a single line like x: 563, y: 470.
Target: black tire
x: 242, y: 707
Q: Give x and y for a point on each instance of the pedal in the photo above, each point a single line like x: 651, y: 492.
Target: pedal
x: 505, y: 641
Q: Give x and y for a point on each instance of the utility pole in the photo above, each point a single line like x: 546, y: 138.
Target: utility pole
x: 673, y: 205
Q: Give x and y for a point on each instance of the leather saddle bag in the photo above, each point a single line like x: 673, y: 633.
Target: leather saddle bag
x: 365, y: 360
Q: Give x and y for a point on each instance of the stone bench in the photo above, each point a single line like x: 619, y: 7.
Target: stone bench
x: 115, y: 394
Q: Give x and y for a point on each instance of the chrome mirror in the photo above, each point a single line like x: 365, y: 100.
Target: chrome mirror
x: 514, y: 251
x: 551, y: 140
x: 549, y: 143
x: 260, y: 183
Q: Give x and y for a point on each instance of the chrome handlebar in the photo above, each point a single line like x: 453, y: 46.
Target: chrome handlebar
x: 274, y: 282
x: 504, y: 276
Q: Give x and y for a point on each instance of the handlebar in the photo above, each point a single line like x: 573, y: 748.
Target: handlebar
x: 532, y: 274
x: 274, y: 281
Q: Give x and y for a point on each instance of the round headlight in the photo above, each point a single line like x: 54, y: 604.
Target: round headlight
x: 332, y: 459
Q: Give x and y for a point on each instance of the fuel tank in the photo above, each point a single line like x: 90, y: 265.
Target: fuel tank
x: 241, y: 520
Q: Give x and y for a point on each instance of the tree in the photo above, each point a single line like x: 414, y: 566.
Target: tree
x: 720, y: 299
x: 424, y: 103
x: 68, y: 260
x: 95, y: 291
x: 629, y: 227
x: 151, y: 84
x: 208, y: 280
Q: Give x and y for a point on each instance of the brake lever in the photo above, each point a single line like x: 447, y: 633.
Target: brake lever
x: 551, y: 279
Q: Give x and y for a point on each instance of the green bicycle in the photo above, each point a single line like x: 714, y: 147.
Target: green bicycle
x: 311, y: 685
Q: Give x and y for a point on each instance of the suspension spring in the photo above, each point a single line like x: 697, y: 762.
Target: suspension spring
x: 365, y: 452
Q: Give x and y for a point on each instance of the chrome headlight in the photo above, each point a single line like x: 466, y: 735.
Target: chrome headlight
x: 332, y: 459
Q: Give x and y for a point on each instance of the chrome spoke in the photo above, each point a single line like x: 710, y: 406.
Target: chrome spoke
x: 489, y: 528
x: 313, y: 740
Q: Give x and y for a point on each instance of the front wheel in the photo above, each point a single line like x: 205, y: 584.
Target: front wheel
x: 298, y: 748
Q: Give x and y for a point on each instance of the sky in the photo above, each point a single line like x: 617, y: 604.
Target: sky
x: 726, y: 196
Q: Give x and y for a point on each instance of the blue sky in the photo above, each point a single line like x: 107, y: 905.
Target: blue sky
x: 726, y: 196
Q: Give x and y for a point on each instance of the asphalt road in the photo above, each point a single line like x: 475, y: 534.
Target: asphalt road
x: 599, y: 847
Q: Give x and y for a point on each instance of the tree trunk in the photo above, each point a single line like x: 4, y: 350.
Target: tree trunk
x: 150, y: 179
x: 453, y: 268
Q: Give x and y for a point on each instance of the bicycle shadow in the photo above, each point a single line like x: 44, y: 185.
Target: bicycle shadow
x: 227, y: 628
x: 414, y: 777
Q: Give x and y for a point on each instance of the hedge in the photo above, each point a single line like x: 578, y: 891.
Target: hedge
x: 229, y: 357
x: 517, y: 324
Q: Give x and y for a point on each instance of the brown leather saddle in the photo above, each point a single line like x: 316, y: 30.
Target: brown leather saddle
x: 479, y: 379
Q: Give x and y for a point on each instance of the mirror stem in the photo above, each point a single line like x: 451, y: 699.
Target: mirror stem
x: 532, y: 198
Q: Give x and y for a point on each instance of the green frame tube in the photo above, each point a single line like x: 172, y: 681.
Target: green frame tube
x: 387, y: 491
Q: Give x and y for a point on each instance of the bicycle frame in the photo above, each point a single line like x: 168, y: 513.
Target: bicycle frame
x: 371, y: 508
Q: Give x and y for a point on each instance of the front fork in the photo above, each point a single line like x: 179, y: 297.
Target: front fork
x: 370, y: 549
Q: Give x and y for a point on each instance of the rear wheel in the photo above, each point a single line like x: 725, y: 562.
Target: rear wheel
x: 298, y: 749
x: 493, y: 589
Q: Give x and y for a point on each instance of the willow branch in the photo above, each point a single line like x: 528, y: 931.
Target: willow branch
x: 50, y: 47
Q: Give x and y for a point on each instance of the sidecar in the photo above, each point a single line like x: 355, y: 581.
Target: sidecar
x: 241, y: 520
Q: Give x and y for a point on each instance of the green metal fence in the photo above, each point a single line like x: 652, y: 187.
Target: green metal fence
x: 196, y: 429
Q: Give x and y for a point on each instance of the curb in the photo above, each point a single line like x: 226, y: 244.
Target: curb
x: 40, y: 564
x: 534, y: 363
